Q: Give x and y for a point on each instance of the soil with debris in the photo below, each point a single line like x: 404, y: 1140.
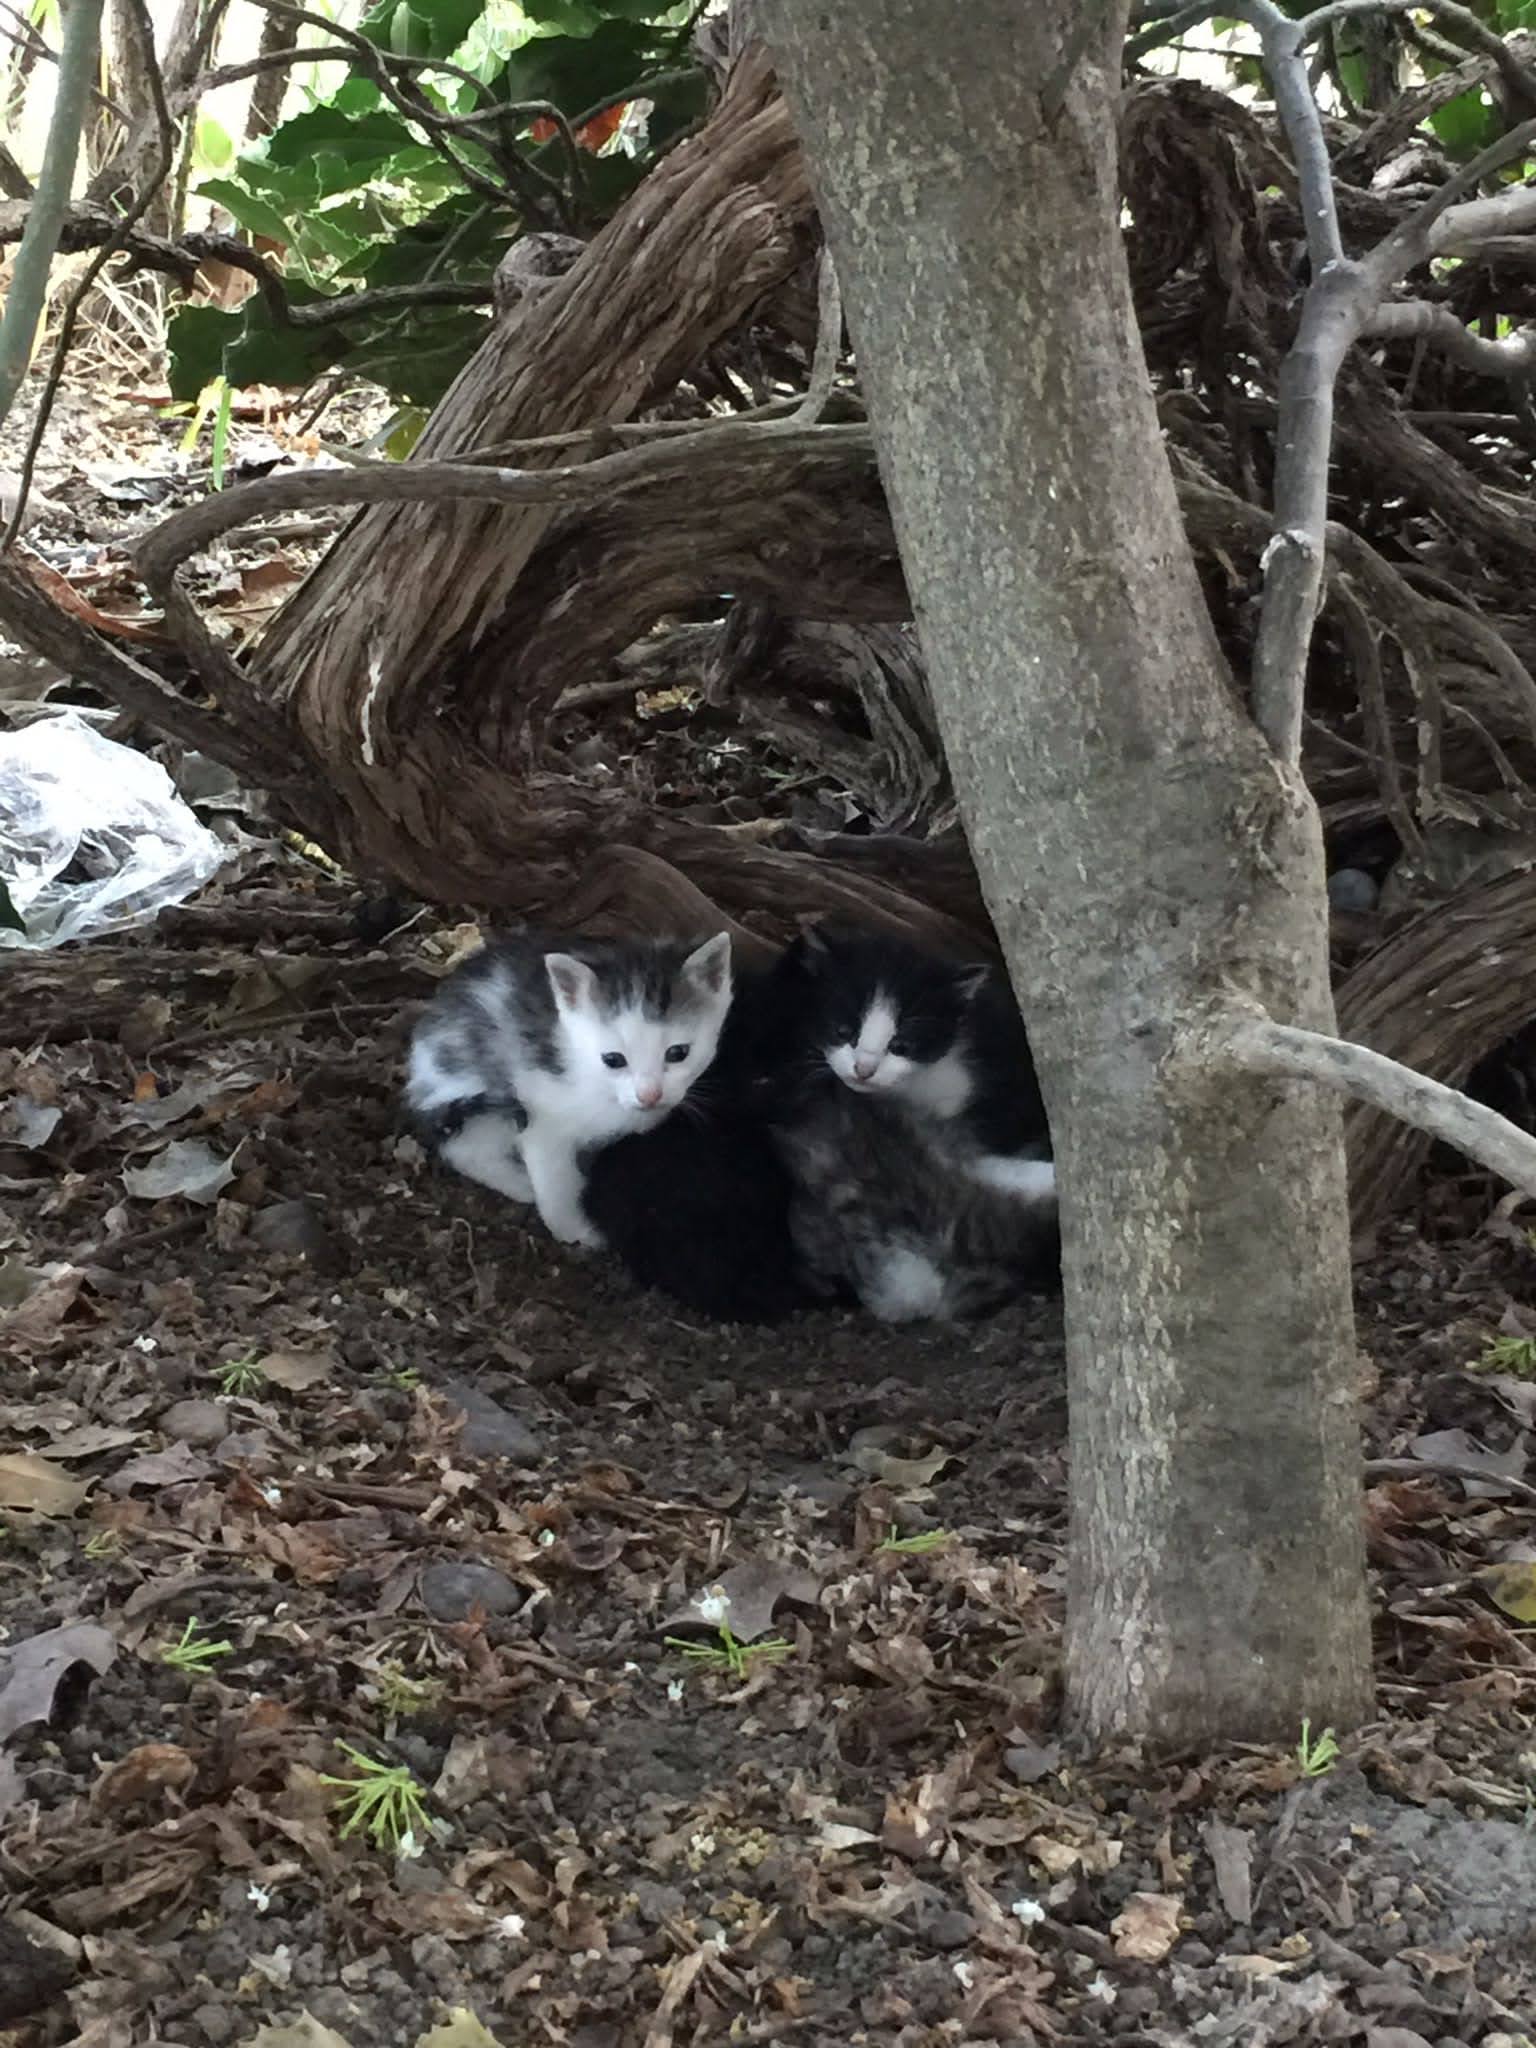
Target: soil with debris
x: 316, y: 1465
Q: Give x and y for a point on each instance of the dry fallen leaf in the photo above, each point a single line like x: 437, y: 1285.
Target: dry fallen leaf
x: 297, y: 1370
x: 32, y: 1671
x: 1512, y: 1587
x: 899, y: 1471
x: 750, y: 1591
x: 144, y: 1773
x: 305, y: 2032
x: 37, y: 1486
x: 33, y: 1316
x: 460, y: 2030
x: 1147, y: 1927
x: 186, y: 1167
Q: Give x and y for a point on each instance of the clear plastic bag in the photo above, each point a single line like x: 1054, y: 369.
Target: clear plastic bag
x: 93, y: 836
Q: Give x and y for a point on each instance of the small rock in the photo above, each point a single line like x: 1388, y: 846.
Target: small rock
x: 949, y: 1930
x: 489, y: 1431
x: 451, y: 1591
x: 214, y: 2024
x: 294, y: 1227
x: 1352, y: 889
x: 196, y: 1422
x: 1031, y: 1761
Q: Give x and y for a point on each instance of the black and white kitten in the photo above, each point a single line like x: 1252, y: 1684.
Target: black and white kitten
x: 699, y: 1208
x: 536, y: 1049
x: 899, y: 1025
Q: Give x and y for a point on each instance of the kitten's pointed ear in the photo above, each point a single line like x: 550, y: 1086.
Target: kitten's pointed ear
x: 971, y: 981
x: 572, y: 980
x: 708, y: 967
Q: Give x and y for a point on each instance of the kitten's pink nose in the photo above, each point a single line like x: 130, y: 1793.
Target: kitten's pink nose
x: 864, y: 1067
x: 647, y: 1093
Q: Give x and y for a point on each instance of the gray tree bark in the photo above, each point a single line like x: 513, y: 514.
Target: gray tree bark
x: 1141, y: 851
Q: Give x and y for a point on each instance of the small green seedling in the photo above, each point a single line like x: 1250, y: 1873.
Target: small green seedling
x: 915, y: 1546
x: 192, y: 1654
x: 103, y: 1543
x: 385, y: 1803
x: 1316, y: 1758
x: 400, y: 1695
x: 215, y: 400
x: 401, y: 1377
x: 1514, y: 1355
x: 727, y: 1654
x: 239, y: 1375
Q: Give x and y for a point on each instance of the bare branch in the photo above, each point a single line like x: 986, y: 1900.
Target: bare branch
x: 1258, y: 1045
x: 727, y: 445
x: 829, y: 342
x: 28, y: 291
x: 158, y: 171
x: 1513, y: 356
x: 1284, y: 42
x: 41, y: 624
x: 1412, y: 242
x: 1343, y: 297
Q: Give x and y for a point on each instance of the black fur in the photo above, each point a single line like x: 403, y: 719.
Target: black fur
x: 699, y: 1207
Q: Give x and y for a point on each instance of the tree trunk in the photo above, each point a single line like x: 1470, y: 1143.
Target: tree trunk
x: 1138, y: 846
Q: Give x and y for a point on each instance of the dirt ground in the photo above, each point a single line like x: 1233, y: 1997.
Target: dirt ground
x: 419, y: 1483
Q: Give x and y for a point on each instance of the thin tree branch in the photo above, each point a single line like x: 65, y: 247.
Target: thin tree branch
x: 1483, y: 38
x: 1258, y: 1045
x: 39, y: 623
x: 1283, y: 43
x: 829, y: 342
x: 1514, y: 356
x: 1341, y: 299
x: 28, y: 292
x: 158, y: 556
x: 158, y: 171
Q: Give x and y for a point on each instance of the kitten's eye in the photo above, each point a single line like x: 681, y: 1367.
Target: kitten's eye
x: 614, y: 1060
x: 900, y: 1046
x: 676, y: 1054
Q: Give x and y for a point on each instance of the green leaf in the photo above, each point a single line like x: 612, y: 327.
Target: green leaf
x: 212, y: 148
x: 356, y: 141
x: 243, y: 345
x: 10, y: 917
x: 253, y: 212
x: 577, y: 71
x: 421, y: 28
x: 405, y: 431
x: 582, y: 17
x: 221, y: 436
x: 1466, y: 125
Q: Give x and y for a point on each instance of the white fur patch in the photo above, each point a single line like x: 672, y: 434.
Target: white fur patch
x: 903, y: 1286
x: 486, y: 1148
x: 431, y: 1086
x: 1032, y: 1180
x: 942, y: 1089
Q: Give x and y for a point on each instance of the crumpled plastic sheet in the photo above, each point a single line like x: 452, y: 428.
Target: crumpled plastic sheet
x: 93, y: 836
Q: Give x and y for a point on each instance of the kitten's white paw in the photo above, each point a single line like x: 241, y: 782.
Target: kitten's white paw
x: 574, y: 1230
x: 903, y: 1287
x: 485, y: 1149
x: 1032, y: 1180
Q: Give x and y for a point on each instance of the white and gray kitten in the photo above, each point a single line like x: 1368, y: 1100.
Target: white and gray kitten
x: 535, y: 1050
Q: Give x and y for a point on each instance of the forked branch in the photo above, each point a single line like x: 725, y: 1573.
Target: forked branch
x: 1342, y: 303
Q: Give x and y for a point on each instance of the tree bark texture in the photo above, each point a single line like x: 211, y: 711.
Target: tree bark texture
x: 1138, y: 847
x: 417, y: 634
